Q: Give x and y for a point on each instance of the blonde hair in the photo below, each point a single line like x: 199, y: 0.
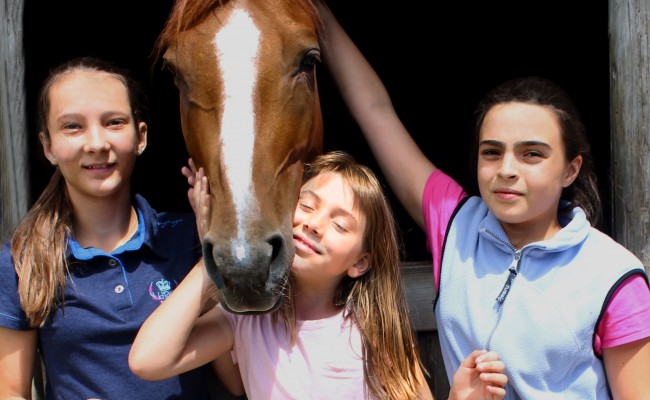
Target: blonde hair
x: 39, y: 243
x: 375, y: 301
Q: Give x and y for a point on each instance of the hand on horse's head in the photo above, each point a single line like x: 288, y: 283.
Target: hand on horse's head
x: 199, y: 196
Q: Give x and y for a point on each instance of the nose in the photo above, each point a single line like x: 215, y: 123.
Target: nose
x: 95, y: 140
x: 508, y: 167
x: 314, y: 224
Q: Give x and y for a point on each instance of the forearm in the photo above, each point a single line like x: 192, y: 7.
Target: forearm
x: 155, y: 355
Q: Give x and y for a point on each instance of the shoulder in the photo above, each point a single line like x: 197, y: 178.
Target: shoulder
x: 165, y: 222
x: 166, y: 230
x: 603, y: 247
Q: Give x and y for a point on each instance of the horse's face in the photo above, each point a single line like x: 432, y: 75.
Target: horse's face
x: 250, y: 116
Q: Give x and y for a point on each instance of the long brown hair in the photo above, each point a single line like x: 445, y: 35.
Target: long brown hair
x: 40, y: 241
x: 375, y: 301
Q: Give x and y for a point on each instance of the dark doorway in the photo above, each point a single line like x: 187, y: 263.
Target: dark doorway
x: 436, y: 59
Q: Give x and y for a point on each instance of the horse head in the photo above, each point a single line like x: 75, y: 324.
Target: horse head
x: 250, y: 115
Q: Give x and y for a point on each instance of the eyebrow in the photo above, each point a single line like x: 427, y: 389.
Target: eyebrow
x: 317, y: 198
x: 525, y: 143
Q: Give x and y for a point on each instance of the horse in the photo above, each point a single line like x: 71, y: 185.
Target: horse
x: 250, y: 115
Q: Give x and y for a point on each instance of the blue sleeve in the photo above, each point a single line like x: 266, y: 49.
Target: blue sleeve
x: 11, y: 313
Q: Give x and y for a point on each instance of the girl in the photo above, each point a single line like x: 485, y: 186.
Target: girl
x: 519, y: 270
x: 88, y: 263
x: 343, y: 330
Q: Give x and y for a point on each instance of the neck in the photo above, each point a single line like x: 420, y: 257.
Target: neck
x: 522, y: 234
x: 104, y: 223
x: 314, y: 302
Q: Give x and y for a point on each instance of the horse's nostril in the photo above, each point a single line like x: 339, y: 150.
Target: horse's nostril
x: 207, y: 249
x: 276, y: 243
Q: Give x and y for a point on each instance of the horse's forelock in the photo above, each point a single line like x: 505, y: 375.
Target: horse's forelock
x: 188, y: 13
x: 184, y: 15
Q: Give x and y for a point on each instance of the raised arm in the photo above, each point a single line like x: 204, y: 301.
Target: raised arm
x: 405, y: 166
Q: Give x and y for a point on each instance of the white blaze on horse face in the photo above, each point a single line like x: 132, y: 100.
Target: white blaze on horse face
x: 237, y: 45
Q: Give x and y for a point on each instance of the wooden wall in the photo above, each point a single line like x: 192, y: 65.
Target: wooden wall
x: 630, y: 124
x: 14, y: 177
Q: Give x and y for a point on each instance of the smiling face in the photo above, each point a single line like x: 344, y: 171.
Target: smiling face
x: 522, y: 169
x: 92, y: 137
x: 328, y: 231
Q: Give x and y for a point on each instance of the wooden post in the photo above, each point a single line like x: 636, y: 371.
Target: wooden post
x: 14, y: 181
x: 630, y: 123
x: 14, y: 171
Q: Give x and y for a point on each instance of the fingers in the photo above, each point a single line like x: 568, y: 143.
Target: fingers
x: 190, y: 162
x: 471, y: 360
x: 489, y: 362
x: 496, y: 392
x: 190, y: 172
x: 201, y: 202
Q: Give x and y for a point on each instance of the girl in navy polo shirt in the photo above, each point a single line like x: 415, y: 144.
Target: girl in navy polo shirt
x: 89, y: 262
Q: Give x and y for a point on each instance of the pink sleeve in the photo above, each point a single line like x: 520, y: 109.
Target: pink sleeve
x: 441, y: 196
x: 627, y: 317
x: 232, y: 318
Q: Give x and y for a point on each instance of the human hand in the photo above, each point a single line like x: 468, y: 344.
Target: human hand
x: 199, y: 196
x: 480, y: 377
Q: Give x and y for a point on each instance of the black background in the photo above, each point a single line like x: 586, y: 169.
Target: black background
x: 437, y: 60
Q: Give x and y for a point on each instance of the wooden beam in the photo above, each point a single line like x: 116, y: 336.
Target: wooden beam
x: 418, y: 279
x: 14, y: 181
x: 630, y: 123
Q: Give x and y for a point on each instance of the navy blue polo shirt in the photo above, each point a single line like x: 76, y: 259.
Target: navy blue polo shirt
x: 85, y: 345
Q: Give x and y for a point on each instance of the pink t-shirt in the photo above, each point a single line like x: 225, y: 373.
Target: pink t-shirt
x: 627, y: 317
x: 325, y: 363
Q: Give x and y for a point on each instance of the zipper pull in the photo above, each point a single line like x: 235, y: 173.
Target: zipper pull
x: 507, y: 285
x: 513, y: 274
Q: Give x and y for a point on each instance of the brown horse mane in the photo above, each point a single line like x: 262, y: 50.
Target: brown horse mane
x: 186, y: 14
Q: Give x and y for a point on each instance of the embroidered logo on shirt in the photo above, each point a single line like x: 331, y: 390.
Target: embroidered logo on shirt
x: 170, y: 223
x: 162, y: 289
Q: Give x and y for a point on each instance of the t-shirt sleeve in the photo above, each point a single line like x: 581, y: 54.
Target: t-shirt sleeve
x: 12, y: 315
x: 627, y: 317
x: 440, y: 199
x: 232, y: 318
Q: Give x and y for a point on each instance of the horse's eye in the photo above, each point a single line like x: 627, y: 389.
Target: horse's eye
x: 166, y: 65
x: 310, y: 58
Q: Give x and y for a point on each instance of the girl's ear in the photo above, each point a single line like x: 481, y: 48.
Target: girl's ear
x: 572, y: 171
x: 360, y: 267
x: 47, y: 147
x: 141, y: 143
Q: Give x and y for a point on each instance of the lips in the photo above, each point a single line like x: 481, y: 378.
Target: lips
x: 306, y: 245
x: 507, y: 194
x: 98, y: 166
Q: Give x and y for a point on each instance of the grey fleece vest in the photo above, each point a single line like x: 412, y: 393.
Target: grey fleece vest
x: 537, y: 307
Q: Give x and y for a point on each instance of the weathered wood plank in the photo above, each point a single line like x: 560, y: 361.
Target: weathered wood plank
x: 630, y: 124
x: 14, y: 182
x: 418, y: 279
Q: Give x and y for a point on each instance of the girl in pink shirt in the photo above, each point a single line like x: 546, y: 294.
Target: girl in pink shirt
x: 343, y: 329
